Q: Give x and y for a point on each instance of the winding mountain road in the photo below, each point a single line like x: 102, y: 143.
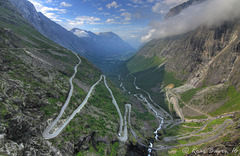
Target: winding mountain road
x: 174, y: 100
x: 226, y: 122
x: 218, y: 131
x: 46, y: 133
x: 178, y: 97
x: 123, y: 137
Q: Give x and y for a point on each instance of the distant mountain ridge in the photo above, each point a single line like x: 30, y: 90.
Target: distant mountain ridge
x: 95, y: 47
x: 106, y: 42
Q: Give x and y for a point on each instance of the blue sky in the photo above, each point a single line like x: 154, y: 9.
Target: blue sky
x: 129, y: 19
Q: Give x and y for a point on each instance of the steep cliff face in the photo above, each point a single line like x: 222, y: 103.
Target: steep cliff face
x: 177, y: 9
x: 203, y: 66
x: 50, y: 29
x: 206, y: 56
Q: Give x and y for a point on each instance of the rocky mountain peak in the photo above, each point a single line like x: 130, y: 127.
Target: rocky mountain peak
x: 28, y: 11
x: 177, y: 9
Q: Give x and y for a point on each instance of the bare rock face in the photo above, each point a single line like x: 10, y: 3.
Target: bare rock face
x: 206, y: 56
x: 28, y: 11
x: 177, y: 9
x: 237, y: 48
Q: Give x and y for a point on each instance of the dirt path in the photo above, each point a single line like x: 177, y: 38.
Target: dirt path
x: 178, y: 110
x: 190, y: 106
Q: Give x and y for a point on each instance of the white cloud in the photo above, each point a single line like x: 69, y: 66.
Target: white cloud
x: 95, y: 29
x: 137, y: 1
x: 43, y: 9
x: 122, y: 10
x: 104, y: 13
x: 81, y: 33
x: 50, y: 15
x: 48, y: 1
x: 163, y: 6
x: 64, y: 4
x: 100, y: 9
x: 110, y: 20
x: 208, y: 13
x: 132, y: 36
x: 73, y: 24
x: 149, y: 36
x: 114, y: 21
x: 88, y: 19
x: 113, y: 5
x: 48, y: 11
x: 127, y: 15
x: 150, y: 1
x: 80, y: 21
x: 135, y: 6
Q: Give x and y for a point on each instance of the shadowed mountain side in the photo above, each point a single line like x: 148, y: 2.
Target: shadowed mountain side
x: 94, y: 47
x: 34, y: 85
x: 50, y: 29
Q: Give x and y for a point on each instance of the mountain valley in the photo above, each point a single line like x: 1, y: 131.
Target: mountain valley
x: 178, y: 95
x: 100, y: 48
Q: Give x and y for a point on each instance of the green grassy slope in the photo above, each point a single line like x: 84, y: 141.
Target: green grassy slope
x: 151, y: 79
x: 140, y: 63
x: 34, y: 84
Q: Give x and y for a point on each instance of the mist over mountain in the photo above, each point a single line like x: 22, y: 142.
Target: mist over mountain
x: 208, y: 13
x: 190, y: 66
